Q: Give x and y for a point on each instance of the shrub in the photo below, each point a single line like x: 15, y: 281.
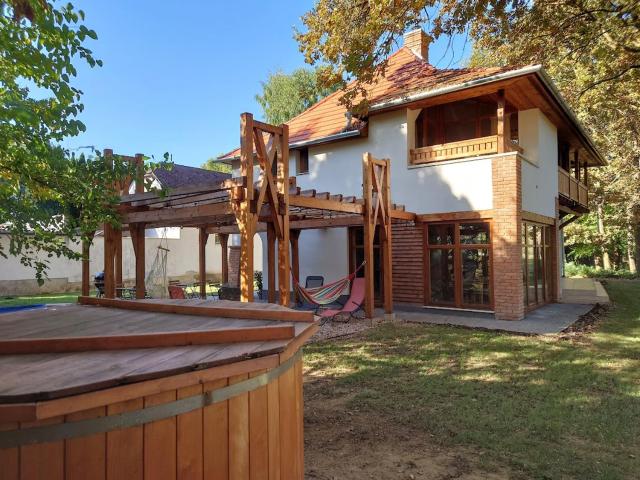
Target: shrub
x: 576, y: 270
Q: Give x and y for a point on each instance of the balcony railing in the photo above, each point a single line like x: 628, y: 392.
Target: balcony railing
x: 474, y: 147
x: 571, y: 188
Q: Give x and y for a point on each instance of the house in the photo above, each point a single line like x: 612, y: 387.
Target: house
x: 492, y: 160
x: 64, y: 275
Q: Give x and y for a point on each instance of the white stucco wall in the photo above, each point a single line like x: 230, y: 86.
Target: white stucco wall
x: 539, y: 139
x: 182, y: 260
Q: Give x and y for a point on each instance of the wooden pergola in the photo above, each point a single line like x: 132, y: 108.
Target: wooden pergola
x: 262, y: 198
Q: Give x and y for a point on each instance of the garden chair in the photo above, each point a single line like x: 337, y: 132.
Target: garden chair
x: 176, y: 292
x: 352, y: 305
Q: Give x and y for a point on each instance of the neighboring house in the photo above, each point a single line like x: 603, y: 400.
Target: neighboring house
x: 491, y: 159
x: 182, y: 259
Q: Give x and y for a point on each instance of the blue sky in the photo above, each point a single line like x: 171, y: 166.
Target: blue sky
x: 177, y: 75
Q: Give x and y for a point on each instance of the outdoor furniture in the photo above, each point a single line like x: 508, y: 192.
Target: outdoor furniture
x: 98, y: 281
x: 126, y: 293
x: 175, y: 291
x: 227, y: 292
x: 353, y: 304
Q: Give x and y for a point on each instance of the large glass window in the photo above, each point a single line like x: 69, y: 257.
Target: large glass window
x: 536, y: 264
x: 459, y: 256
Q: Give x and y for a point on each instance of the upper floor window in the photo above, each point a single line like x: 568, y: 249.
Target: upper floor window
x: 457, y: 121
x: 302, y: 164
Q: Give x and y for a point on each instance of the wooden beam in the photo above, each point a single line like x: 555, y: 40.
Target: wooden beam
x: 501, y: 122
x: 369, y: 232
x: 224, y: 242
x: 321, y: 204
x: 86, y: 264
x: 173, y: 216
x: 402, y: 215
x: 454, y: 216
x: 221, y: 311
x: 117, y: 239
x: 137, y: 232
x: 295, y: 257
x: 143, y: 198
x: 203, y: 236
x: 271, y: 263
x: 263, y: 333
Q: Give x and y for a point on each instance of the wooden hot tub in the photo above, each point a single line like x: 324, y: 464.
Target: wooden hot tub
x: 187, y: 389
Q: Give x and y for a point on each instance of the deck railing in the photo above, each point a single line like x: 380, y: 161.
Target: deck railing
x: 572, y: 188
x: 474, y: 147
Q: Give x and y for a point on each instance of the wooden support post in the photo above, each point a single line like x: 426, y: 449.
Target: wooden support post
x: 246, y: 219
x: 284, y: 267
x: 369, y: 232
x: 109, y: 244
x: 271, y: 262
x: 137, y: 231
x: 224, y: 242
x: 295, y: 258
x: 501, y: 123
x: 576, y: 164
x: 86, y: 280
x: 117, y: 244
x: 202, y: 260
x: 139, y: 173
x: 387, y: 247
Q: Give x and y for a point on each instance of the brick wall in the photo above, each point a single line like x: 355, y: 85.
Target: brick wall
x: 408, y: 264
x: 507, y: 237
x: 234, y: 265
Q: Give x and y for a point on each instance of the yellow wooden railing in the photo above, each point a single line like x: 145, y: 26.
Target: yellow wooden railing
x: 572, y: 188
x: 474, y: 147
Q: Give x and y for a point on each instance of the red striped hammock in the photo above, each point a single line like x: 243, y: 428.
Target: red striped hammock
x: 325, y: 294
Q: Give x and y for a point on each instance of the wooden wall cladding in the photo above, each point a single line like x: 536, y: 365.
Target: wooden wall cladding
x: 408, y: 263
x: 253, y: 435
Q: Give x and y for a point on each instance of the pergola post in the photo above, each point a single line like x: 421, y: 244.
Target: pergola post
x: 246, y: 220
x: 387, y: 245
x: 109, y: 244
x: 224, y: 242
x: 137, y: 239
x: 369, y: 233
x: 271, y: 263
x: 295, y: 258
x: 86, y: 286
x: 202, y: 260
x: 117, y: 243
x: 284, y: 267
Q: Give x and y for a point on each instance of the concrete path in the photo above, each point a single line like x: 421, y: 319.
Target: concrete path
x: 584, y: 291
x: 546, y: 320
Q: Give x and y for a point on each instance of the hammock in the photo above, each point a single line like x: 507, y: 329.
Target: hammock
x: 156, y: 281
x: 325, y: 294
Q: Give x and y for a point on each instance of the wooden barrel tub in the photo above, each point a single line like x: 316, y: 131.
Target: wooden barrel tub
x: 147, y: 389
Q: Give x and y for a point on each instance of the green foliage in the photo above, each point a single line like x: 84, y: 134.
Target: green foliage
x: 286, y: 95
x: 46, y: 195
x: 577, y: 270
x: 216, y: 166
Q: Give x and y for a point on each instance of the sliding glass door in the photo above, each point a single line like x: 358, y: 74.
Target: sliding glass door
x: 459, y: 265
x: 536, y: 264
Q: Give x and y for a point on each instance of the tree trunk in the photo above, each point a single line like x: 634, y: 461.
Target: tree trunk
x: 606, y: 261
x: 637, y: 243
x: 632, y: 246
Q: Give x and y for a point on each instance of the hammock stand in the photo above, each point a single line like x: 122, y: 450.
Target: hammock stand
x: 325, y: 294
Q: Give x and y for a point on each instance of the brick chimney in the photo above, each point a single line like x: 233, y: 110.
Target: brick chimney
x: 418, y: 42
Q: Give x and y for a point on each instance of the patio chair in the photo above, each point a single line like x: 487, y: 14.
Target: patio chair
x: 176, y: 292
x: 227, y: 292
x: 352, y: 305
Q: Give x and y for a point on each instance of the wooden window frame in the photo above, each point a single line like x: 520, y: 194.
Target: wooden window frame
x: 457, y: 248
x: 545, y: 252
x: 299, y: 171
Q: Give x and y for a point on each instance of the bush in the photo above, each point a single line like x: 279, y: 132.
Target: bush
x: 576, y: 270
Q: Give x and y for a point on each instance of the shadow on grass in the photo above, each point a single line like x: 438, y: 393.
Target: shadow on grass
x: 549, y: 408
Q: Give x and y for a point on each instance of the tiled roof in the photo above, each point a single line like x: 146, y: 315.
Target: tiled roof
x: 406, y: 74
x: 182, y: 175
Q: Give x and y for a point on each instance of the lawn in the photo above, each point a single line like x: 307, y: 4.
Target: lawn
x: 16, y: 301
x: 534, y: 407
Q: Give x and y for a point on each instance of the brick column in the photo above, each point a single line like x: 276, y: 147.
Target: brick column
x: 507, y: 237
x: 234, y: 265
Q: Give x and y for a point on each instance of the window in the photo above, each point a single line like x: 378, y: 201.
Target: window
x: 457, y: 121
x: 536, y: 264
x: 302, y: 166
x: 459, y: 266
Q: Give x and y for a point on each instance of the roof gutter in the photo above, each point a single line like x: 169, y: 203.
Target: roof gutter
x: 532, y: 69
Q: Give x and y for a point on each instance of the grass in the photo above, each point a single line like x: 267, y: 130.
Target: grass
x: 16, y: 301
x: 544, y: 407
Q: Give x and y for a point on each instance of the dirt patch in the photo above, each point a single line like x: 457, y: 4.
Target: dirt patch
x: 343, y: 327
x: 342, y: 443
x: 588, y: 323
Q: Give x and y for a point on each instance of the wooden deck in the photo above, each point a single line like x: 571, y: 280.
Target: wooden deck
x: 43, y: 376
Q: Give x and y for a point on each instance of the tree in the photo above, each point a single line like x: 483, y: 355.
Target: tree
x: 47, y: 196
x: 216, y: 166
x: 285, y: 96
x: 354, y: 39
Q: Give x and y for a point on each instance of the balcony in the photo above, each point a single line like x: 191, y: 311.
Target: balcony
x: 474, y: 147
x: 572, y: 191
